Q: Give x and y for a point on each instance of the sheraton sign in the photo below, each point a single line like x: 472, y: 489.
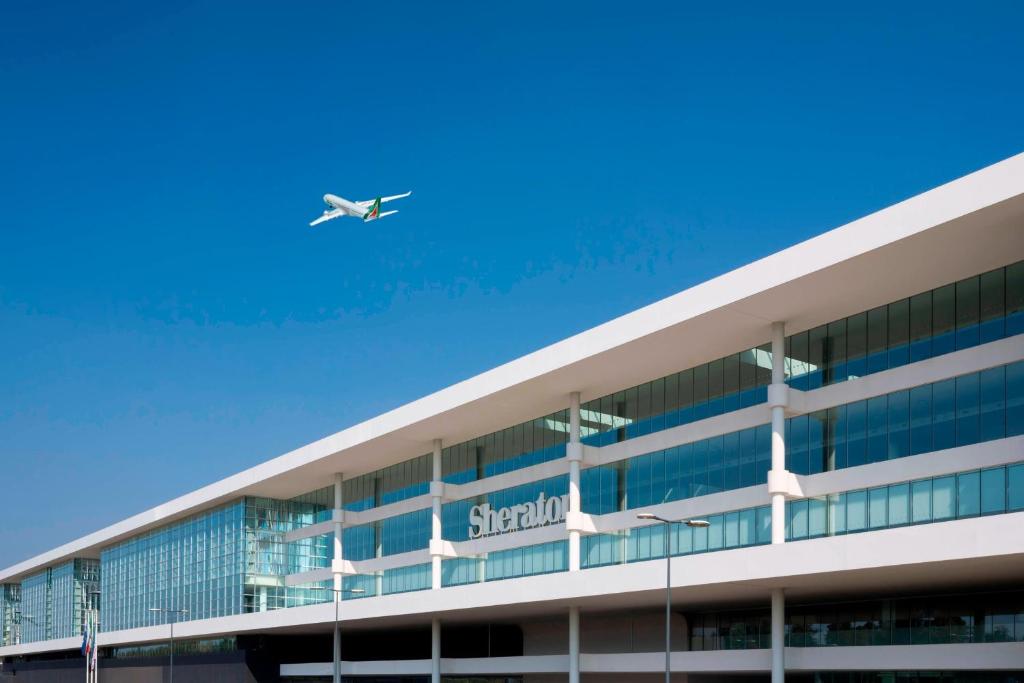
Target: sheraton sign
x: 485, y: 521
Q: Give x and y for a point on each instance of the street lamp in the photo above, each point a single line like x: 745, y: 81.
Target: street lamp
x: 173, y: 613
x: 694, y: 523
x: 337, y: 633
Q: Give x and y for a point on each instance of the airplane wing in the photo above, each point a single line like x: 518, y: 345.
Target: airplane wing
x: 387, y: 213
x: 327, y: 216
x: 369, y: 202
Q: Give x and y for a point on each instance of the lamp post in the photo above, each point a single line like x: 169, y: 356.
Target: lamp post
x: 173, y: 613
x: 337, y: 634
x: 695, y: 523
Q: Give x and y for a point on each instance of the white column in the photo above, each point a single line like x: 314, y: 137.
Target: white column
x: 574, y: 452
x: 339, y: 501
x: 338, y: 554
x: 435, y: 528
x: 574, y: 645
x: 777, y: 398
x: 778, y: 635
x: 435, y: 650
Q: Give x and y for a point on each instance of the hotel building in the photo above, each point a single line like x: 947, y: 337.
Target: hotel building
x: 847, y: 415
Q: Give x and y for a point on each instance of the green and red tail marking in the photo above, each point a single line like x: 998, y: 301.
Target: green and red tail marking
x: 374, y: 211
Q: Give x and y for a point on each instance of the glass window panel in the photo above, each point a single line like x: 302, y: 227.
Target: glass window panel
x: 1015, y: 399
x: 856, y: 345
x: 968, y: 403
x: 764, y: 522
x: 899, y: 504
x: 797, y: 510
x: 817, y: 517
x: 836, y: 449
x: 796, y: 444
x: 731, y: 383
x: 1015, y: 487
x: 993, y: 490
x: 943, y: 320
x: 731, y: 461
x: 878, y: 445
x: 856, y: 426
x: 748, y: 527
x: 993, y: 404
x: 944, y: 411
x: 899, y: 333
x: 968, y: 494
x: 796, y: 360
x: 921, y: 494
x: 967, y: 313
x: 943, y: 498
x: 992, y: 305
x: 837, y: 513
x: 816, y: 455
x: 878, y: 500
x: 715, y: 385
x: 856, y: 510
x: 1015, y: 299
x: 816, y: 356
x: 764, y: 452
x: 921, y: 419
x: 671, y: 401
x: 700, y: 392
x: 899, y: 425
x: 878, y: 339
x: 921, y: 327
x: 835, y: 352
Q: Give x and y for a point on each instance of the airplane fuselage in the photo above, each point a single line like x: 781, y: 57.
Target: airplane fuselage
x: 350, y: 208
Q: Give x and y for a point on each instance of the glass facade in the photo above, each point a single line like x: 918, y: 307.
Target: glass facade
x: 543, y: 558
x: 957, y: 316
x: 922, y: 620
x: 972, y: 408
x: 526, y: 444
x: 226, y: 561
x: 721, y: 463
x: 721, y: 386
x: 957, y: 496
x: 54, y: 601
x: 388, y: 485
x: 10, y: 614
x: 181, y: 647
x: 968, y: 409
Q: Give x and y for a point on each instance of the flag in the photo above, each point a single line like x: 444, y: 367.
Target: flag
x: 93, y: 647
x: 85, y: 639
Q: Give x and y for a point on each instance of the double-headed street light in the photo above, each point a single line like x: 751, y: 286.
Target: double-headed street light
x: 695, y: 523
x: 337, y: 633
x: 173, y: 613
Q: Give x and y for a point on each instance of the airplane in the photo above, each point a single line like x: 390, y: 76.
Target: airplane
x: 368, y: 210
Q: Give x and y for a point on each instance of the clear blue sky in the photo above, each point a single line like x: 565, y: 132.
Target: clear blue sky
x: 167, y: 318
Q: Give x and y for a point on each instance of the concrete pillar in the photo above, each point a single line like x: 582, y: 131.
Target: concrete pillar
x: 777, y: 398
x: 338, y: 528
x: 574, y: 645
x: 574, y: 452
x: 435, y: 528
x: 435, y: 650
x: 339, y: 502
x: 778, y: 635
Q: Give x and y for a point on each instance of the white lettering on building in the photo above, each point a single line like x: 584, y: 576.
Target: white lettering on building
x: 485, y: 521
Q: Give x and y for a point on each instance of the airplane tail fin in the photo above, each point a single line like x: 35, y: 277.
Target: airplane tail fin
x: 374, y: 211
